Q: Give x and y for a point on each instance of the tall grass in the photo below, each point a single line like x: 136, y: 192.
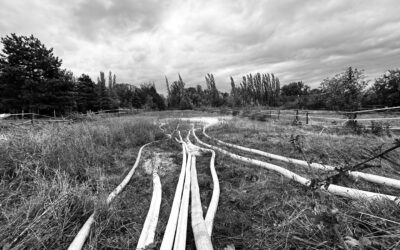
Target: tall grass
x: 259, y: 209
x: 53, y: 177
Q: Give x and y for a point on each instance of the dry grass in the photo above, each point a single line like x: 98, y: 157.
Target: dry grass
x: 53, y: 177
x: 261, y: 210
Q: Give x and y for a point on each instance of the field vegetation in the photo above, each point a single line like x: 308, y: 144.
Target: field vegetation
x: 55, y: 176
x: 267, y: 211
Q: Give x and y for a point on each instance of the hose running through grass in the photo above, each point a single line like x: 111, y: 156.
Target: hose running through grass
x: 334, y: 189
x: 149, y: 228
x: 83, y: 233
x: 390, y: 182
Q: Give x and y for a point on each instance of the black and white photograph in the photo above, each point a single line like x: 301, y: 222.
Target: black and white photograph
x: 200, y: 124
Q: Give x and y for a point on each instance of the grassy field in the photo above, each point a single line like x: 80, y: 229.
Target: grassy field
x: 54, y: 176
x: 261, y: 210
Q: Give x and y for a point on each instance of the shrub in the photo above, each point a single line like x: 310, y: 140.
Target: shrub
x: 261, y: 117
x: 355, y: 127
x: 380, y: 128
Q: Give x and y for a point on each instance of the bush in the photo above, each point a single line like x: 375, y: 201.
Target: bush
x: 261, y: 117
x: 225, y: 111
x: 380, y: 128
x: 355, y: 127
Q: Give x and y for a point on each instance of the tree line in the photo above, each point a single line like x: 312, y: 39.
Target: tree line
x: 345, y: 91
x: 32, y: 80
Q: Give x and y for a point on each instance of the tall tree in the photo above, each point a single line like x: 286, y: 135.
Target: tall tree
x: 110, y: 80
x: 114, y: 81
x: 107, y: 98
x: 177, y: 98
x: 26, y: 66
x: 168, y: 91
x: 212, y: 91
x: 344, y: 91
x: 295, y: 89
x: 125, y: 93
x: 57, y: 95
x: 87, y: 96
x: 387, y: 88
x: 257, y: 89
x: 235, y: 94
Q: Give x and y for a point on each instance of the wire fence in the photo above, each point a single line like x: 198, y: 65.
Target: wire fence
x: 388, y: 117
x: 21, y: 119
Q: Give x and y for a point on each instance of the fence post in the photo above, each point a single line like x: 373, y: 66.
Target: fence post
x: 33, y: 118
x: 279, y: 112
x: 297, y: 114
x: 22, y: 114
x: 307, y: 117
x: 270, y: 114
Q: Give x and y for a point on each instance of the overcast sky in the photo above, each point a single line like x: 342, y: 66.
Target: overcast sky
x: 145, y: 40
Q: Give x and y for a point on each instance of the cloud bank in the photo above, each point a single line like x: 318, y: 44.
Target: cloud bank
x: 142, y: 41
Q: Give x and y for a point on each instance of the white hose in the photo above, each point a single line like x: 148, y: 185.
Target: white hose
x: 212, y: 208
x: 180, y: 236
x: 201, y: 236
x: 149, y: 228
x: 335, y: 189
x: 83, y: 233
x: 168, y: 239
x: 390, y: 182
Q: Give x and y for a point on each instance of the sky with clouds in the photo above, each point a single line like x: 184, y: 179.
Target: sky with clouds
x: 146, y: 40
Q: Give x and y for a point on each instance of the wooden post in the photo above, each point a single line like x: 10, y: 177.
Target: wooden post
x: 270, y: 114
x: 33, y: 118
x: 22, y: 114
x: 279, y: 113
x: 297, y: 114
x: 54, y: 113
x: 307, y: 117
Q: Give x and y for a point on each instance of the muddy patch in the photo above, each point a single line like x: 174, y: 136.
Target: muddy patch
x: 3, y: 138
x: 161, y: 161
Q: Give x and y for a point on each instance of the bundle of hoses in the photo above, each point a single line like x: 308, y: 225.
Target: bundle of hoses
x: 175, y: 233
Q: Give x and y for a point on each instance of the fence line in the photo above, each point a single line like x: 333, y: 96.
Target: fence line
x: 371, y: 110
x: 338, y: 119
